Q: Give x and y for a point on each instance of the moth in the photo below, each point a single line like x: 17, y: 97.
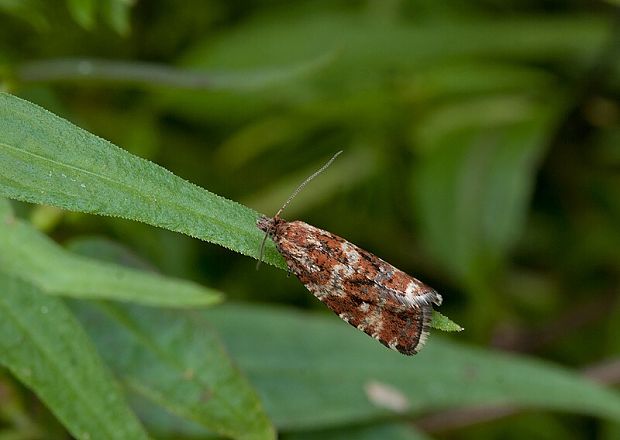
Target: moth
x: 365, y: 291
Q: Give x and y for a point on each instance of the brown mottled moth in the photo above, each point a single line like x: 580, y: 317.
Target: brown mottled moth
x: 361, y: 288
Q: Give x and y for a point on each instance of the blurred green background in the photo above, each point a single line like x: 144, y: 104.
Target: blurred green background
x: 481, y: 151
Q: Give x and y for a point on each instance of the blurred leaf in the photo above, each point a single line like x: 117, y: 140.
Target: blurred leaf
x: 163, y: 424
x: 166, y: 425
x: 45, y: 159
x: 260, y: 136
x: 108, y: 251
x: 462, y: 78
x: 312, y: 372
x: 26, y: 10
x: 83, y: 11
x: 611, y: 430
x: 350, y: 169
x: 6, y: 211
x: 269, y: 76
x: 46, y: 349
x: 45, y: 218
x: 474, y: 177
x: 175, y: 360
x: 383, y: 431
x: 369, y: 49
x: 116, y: 13
x: 363, y: 40
x: 152, y: 74
x: 34, y: 257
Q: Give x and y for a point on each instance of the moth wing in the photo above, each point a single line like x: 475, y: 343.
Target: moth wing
x: 362, y: 289
x: 401, y: 327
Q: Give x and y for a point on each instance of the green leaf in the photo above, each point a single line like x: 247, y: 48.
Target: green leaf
x: 28, y: 11
x: 368, y: 48
x: 117, y: 13
x: 444, y: 323
x: 144, y: 74
x: 383, y: 431
x: 32, y: 256
x: 162, y: 423
x: 314, y: 371
x: 45, y: 159
x: 6, y: 211
x: 474, y: 178
x: 175, y: 360
x: 47, y: 350
x: 364, y: 40
x: 38, y: 164
x: 350, y: 169
x: 83, y: 11
x: 459, y: 78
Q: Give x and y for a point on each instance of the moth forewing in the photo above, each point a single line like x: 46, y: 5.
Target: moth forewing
x: 362, y: 289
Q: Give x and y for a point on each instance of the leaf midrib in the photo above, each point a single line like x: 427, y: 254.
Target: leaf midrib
x: 136, y: 191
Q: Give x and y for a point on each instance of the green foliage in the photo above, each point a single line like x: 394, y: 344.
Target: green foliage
x: 480, y: 155
x: 176, y: 360
x: 101, y: 180
x: 393, y: 431
x: 39, y: 164
x: 42, y: 344
x: 30, y: 255
x: 444, y: 374
x: 444, y: 323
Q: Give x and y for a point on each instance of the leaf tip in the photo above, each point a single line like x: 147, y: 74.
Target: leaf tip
x: 442, y: 322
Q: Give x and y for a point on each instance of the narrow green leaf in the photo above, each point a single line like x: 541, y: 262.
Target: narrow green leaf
x: 32, y: 256
x: 47, y: 350
x: 270, y: 76
x: 152, y: 74
x: 38, y: 164
x: 45, y: 159
x: 444, y: 323
x: 315, y: 371
x: 175, y: 360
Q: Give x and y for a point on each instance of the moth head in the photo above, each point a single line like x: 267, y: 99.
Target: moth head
x: 267, y: 225
x: 270, y: 225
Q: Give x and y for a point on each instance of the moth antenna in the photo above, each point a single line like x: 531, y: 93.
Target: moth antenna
x: 299, y: 188
x: 262, y: 251
x: 305, y: 182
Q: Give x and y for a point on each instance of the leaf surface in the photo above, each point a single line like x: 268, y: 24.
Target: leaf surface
x: 175, y: 359
x: 43, y: 345
x: 314, y: 371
